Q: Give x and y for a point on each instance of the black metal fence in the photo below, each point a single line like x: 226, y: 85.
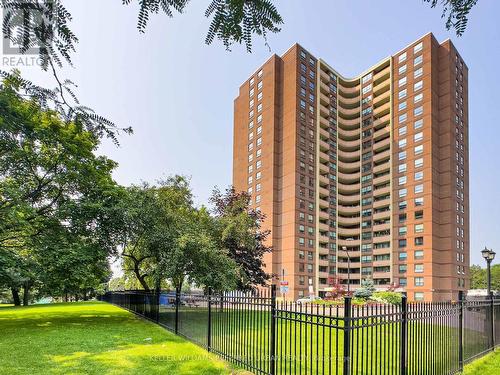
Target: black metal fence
x: 267, y: 336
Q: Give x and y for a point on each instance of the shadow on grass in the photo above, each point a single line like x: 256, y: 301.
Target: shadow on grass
x: 94, y: 338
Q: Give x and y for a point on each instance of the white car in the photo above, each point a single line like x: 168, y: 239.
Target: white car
x: 308, y: 299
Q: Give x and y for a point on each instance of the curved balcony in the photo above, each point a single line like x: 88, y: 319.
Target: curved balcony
x: 324, y: 169
x: 348, y: 189
x: 347, y: 243
x: 349, y: 114
x: 349, y: 155
x: 350, y: 231
x: 324, y: 88
x: 381, y: 133
x: 325, y: 135
x: 323, y: 192
x: 348, y: 209
x: 349, y: 168
x: 324, y: 146
x: 349, y: 102
x: 381, y: 239
x: 348, y: 220
x: 349, y: 124
x: 349, y: 135
x: 382, y: 75
x: 324, y: 111
x: 324, y: 76
x: 324, y: 227
x: 349, y: 145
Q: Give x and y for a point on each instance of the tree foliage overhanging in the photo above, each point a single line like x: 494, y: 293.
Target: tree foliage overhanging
x: 63, y: 217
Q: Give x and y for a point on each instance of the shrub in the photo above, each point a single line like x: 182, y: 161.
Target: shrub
x: 366, y: 290
x: 387, y: 297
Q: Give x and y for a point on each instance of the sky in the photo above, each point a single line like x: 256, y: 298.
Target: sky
x: 177, y: 93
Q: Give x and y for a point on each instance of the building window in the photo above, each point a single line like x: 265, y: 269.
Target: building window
x: 419, y: 241
x: 417, y: 60
x: 419, y: 189
x: 402, y: 118
x: 402, y: 57
x: 418, y: 137
x: 419, y: 254
x: 419, y: 175
x: 418, y: 47
x: 419, y: 228
x: 417, y: 73
x: 418, y: 124
x: 402, y: 106
x: 418, y: 296
x: 418, y: 98
x: 419, y: 163
x: 419, y: 281
x: 419, y: 149
x: 402, y: 143
x: 402, y: 69
x: 419, y: 268
x: 418, y: 111
x: 402, y: 168
x: 402, y: 81
x: 402, y: 131
x: 418, y: 85
x: 419, y: 202
x: 259, y: 85
x: 402, y: 193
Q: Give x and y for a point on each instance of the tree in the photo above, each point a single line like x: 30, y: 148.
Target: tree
x: 478, y: 277
x: 366, y: 290
x: 238, y: 230
x: 456, y: 13
x: 53, y: 190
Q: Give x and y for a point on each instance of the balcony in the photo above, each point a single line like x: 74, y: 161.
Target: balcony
x: 324, y: 123
x: 382, y: 99
x: 323, y: 239
x: 324, y: 134
x: 349, y: 102
x: 384, y: 144
x: 349, y: 114
x: 382, y: 121
x: 324, y: 76
x: 323, y: 214
x: 324, y: 110
x: 383, y: 86
x: 348, y: 155
x: 381, y: 133
x: 382, y: 191
x: 324, y: 227
x: 350, y: 134
x: 324, y: 169
x: 382, y: 215
x: 324, y: 88
x: 350, y: 231
x: 382, y: 179
x: 348, y: 92
x: 382, y: 110
x: 323, y: 192
x: 323, y: 180
x: 381, y: 168
x: 346, y: 210
x: 382, y: 75
x: 349, y: 189
x: 382, y: 156
x: 349, y: 145
x: 324, y: 146
x: 351, y: 220
x: 349, y: 124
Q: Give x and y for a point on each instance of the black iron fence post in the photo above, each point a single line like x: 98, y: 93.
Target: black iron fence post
x: 404, y: 335
x: 209, y: 331
x: 347, y: 336
x: 492, y: 321
x: 177, y: 303
x: 461, y: 331
x: 272, y: 336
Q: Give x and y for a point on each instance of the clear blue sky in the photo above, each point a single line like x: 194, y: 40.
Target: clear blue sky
x: 177, y: 93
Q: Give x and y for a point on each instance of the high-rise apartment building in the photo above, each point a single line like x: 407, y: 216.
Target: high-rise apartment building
x: 363, y: 177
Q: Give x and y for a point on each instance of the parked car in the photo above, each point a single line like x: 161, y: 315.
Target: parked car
x: 308, y: 299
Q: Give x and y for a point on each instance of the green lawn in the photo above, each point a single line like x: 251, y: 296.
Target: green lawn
x: 94, y: 338
x: 488, y: 365
x: 6, y: 305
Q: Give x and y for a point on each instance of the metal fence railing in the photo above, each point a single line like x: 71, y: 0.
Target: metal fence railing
x: 267, y: 336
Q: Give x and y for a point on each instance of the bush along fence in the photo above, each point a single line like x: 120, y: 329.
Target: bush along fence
x: 267, y: 336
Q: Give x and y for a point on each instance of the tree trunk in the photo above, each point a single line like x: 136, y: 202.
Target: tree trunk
x: 15, y: 296
x: 26, y: 294
x: 66, y: 297
x: 76, y: 297
x: 85, y: 296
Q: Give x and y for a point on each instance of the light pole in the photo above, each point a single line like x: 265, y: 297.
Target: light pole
x: 488, y: 255
x: 344, y: 248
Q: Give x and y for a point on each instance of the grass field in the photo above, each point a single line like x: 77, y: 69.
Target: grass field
x: 94, y: 338
x: 316, y: 345
x: 6, y: 305
x: 488, y: 365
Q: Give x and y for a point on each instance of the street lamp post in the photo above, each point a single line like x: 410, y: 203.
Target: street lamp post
x: 348, y: 269
x: 488, y: 255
